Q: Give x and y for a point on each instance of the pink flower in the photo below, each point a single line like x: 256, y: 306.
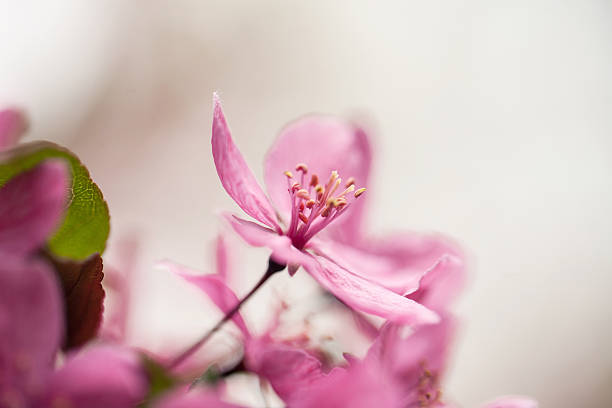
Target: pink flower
x: 312, y: 207
x: 12, y: 125
x: 286, y: 366
x: 397, y: 372
x: 194, y: 399
x: 31, y: 309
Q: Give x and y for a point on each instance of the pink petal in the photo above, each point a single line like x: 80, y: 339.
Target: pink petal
x: 100, y: 377
x: 216, y: 289
x: 429, y: 348
x: 367, y: 296
x: 12, y: 125
x: 197, y: 398
x: 256, y: 235
x: 512, y: 402
x: 357, y: 292
x: 324, y: 143
x: 122, y: 283
x: 288, y: 369
x: 403, y: 263
x: 235, y: 175
x: 358, y: 386
x: 31, y: 324
x: 31, y: 207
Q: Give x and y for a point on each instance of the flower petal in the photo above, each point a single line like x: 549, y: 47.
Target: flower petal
x: 12, y: 125
x: 288, y: 369
x: 512, y: 402
x: 100, y: 377
x: 197, y: 398
x: 357, y: 386
x: 235, y: 175
x: 31, y: 325
x: 31, y: 205
x: 216, y: 289
x: 404, y: 263
x: 367, y: 296
x: 256, y: 235
x: 324, y: 143
x: 429, y: 348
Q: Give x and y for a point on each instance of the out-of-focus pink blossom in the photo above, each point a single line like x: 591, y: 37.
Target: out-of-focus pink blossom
x: 31, y: 309
x: 285, y: 365
x: 197, y: 398
x: 310, y: 206
x: 31, y: 207
x: 98, y: 377
x: 12, y: 125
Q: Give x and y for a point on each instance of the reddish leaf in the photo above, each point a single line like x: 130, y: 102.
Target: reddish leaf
x: 83, y: 297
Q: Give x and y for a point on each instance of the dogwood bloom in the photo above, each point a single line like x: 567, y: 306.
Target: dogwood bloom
x: 307, y: 205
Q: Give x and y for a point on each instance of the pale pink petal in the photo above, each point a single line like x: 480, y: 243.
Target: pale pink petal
x: 441, y: 284
x: 12, y: 125
x: 235, y: 175
x: 365, y: 295
x: 324, y: 143
x: 403, y: 263
x: 287, y: 369
x: 121, y: 283
x: 358, y: 386
x: 512, y: 402
x: 100, y: 377
x: 198, y: 398
x: 31, y: 207
x: 31, y: 325
x: 256, y: 235
x: 357, y: 292
x: 429, y: 347
x: 216, y: 289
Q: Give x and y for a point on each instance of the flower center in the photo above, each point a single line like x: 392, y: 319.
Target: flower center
x: 314, y: 205
x: 428, y: 392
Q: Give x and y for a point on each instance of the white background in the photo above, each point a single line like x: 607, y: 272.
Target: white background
x: 492, y: 124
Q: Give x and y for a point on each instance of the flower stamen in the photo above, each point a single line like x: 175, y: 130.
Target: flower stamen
x: 317, y: 205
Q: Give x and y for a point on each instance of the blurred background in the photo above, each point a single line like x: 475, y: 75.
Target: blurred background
x: 492, y: 123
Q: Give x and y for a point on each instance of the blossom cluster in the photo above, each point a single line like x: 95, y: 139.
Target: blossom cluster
x: 59, y: 348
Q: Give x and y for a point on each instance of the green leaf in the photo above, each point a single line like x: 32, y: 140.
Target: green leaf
x: 86, y: 225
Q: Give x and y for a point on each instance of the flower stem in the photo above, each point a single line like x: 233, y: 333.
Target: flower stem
x: 273, y: 268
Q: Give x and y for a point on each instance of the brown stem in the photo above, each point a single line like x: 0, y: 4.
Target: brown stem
x: 273, y: 267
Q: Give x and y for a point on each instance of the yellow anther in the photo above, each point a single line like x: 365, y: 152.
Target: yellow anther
x: 302, y: 167
x: 332, y: 178
x: 359, y: 192
x: 340, y: 202
x: 303, y: 194
x: 329, y: 205
x: 319, y: 189
x: 303, y: 217
x: 336, y: 185
x: 314, y: 180
x: 288, y: 174
x: 349, y: 189
x: 350, y: 182
x: 310, y: 203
